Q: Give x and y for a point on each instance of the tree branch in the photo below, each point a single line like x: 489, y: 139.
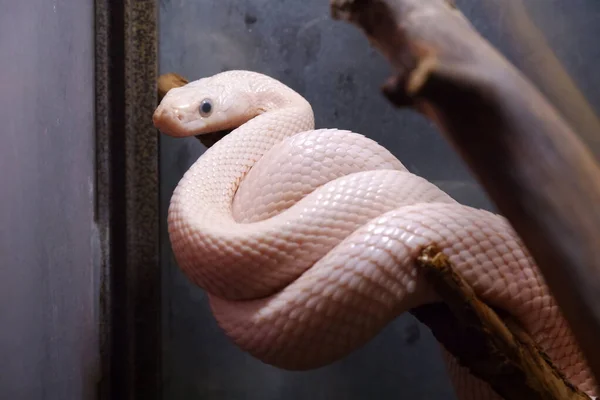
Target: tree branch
x: 167, y: 82
x: 545, y: 70
x: 533, y: 167
x: 499, y: 351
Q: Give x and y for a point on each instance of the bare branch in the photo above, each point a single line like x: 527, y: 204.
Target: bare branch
x: 533, y: 167
x: 499, y: 351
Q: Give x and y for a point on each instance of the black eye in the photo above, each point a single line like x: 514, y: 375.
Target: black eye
x: 206, y: 107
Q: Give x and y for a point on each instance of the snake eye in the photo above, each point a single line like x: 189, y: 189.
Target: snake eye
x: 206, y: 108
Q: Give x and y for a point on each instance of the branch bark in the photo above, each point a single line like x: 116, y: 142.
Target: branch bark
x: 499, y: 351
x: 167, y: 82
x: 545, y: 70
x: 533, y: 167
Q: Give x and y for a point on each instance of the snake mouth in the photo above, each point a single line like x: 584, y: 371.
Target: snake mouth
x: 209, y: 139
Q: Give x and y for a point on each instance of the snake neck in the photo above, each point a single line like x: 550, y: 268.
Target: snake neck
x: 270, y: 95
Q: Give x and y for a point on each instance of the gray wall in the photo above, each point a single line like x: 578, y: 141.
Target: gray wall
x: 48, y: 288
x: 333, y: 66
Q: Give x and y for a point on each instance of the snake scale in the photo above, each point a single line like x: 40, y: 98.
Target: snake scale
x: 304, y: 239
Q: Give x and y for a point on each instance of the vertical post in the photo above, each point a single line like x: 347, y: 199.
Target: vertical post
x: 128, y: 196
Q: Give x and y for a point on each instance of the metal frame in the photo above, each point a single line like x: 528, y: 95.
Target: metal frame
x: 128, y: 198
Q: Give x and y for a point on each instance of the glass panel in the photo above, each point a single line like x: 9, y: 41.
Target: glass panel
x: 49, y: 269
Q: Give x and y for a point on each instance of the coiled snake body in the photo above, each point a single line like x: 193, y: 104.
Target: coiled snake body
x: 304, y: 239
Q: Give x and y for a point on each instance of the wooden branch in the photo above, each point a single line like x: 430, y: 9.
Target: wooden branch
x: 533, y: 167
x: 172, y: 80
x: 169, y: 81
x: 499, y: 351
x: 544, y: 69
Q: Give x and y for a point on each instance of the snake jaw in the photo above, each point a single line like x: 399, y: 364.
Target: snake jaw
x: 177, y: 122
x: 171, y: 122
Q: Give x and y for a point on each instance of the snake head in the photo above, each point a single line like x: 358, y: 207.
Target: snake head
x: 208, y: 105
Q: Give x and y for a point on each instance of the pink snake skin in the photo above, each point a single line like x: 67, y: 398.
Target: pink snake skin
x: 305, y: 240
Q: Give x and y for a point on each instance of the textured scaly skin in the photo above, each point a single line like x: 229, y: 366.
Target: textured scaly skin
x: 304, y: 239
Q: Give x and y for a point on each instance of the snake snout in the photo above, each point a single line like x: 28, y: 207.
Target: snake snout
x: 165, y: 120
x: 176, y: 123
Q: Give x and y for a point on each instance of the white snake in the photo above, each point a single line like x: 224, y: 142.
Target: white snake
x: 304, y: 239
